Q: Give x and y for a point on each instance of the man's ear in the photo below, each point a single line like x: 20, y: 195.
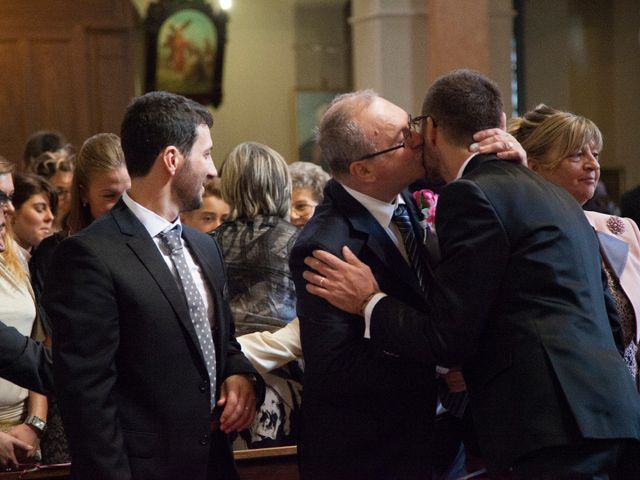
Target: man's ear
x: 503, y: 121
x: 362, y: 170
x: 431, y: 132
x: 170, y: 158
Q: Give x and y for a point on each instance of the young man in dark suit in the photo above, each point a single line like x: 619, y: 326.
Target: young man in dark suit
x: 518, y: 298
x: 148, y: 373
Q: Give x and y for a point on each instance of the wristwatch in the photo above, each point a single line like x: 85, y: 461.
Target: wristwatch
x: 37, y: 423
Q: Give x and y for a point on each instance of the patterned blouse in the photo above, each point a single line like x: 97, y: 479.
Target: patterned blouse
x: 256, y: 253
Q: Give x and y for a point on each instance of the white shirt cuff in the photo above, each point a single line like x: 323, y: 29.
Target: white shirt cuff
x: 368, y: 310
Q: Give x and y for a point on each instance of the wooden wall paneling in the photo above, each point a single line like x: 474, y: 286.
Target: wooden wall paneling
x: 110, y: 77
x: 12, y: 97
x: 52, y: 101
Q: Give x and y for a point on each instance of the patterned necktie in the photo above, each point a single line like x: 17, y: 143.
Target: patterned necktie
x: 403, y: 222
x: 454, y: 402
x: 195, y: 303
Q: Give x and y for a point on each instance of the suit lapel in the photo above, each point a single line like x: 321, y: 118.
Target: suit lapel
x: 376, y: 238
x: 143, y: 246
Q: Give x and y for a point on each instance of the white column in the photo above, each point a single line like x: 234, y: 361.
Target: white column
x: 389, y: 45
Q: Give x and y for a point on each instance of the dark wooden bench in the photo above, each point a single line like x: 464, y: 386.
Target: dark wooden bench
x: 259, y: 464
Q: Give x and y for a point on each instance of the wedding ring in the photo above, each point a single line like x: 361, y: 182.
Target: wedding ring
x: 509, y: 145
x: 322, y: 282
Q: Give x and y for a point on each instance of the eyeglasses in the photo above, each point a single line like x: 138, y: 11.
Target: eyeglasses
x: 407, y: 137
x: 5, y: 198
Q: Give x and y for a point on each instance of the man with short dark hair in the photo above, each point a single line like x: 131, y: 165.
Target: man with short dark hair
x: 517, y: 299
x: 148, y: 374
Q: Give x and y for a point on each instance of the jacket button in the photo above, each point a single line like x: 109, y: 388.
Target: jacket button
x: 203, y: 386
x: 204, y: 440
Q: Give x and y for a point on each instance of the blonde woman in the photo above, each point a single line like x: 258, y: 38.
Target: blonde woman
x: 99, y: 180
x: 255, y: 243
x: 564, y: 149
x: 23, y: 414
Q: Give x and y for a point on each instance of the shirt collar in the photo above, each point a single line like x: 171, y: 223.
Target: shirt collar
x: 381, y: 211
x: 152, y: 222
x: 464, y: 165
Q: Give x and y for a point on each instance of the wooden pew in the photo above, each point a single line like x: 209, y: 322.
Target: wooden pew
x: 278, y: 463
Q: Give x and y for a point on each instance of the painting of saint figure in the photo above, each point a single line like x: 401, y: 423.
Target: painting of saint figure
x: 186, y: 52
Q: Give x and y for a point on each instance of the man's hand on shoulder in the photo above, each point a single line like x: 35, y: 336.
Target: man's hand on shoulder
x: 238, y: 397
x: 346, y: 284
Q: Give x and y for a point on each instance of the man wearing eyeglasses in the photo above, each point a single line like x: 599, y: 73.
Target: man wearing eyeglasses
x: 367, y: 413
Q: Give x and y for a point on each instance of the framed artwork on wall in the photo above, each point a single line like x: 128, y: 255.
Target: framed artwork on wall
x: 185, y: 49
x: 310, y: 105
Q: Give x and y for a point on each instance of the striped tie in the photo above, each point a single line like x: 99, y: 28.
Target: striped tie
x: 403, y: 222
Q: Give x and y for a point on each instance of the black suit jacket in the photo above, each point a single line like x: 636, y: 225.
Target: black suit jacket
x: 130, y: 377
x: 24, y: 361
x: 366, y: 413
x: 519, y: 299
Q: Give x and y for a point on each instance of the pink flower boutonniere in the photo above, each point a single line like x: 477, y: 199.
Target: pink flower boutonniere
x: 427, y: 201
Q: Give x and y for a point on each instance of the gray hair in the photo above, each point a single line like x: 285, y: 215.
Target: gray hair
x: 340, y: 138
x: 255, y: 181
x: 309, y: 175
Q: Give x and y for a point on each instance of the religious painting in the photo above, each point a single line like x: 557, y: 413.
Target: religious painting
x: 185, y: 49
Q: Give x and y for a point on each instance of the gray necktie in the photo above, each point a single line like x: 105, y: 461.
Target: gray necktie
x: 195, y: 303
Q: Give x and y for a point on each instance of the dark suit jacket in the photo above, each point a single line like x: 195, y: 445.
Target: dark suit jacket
x: 519, y: 300
x: 24, y: 361
x: 366, y: 413
x: 130, y: 378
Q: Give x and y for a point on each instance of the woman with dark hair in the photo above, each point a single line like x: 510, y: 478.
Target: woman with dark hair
x: 40, y: 142
x: 35, y: 203
x: 57, y: 167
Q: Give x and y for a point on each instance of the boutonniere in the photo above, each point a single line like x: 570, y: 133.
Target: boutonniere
x: 427, y: 201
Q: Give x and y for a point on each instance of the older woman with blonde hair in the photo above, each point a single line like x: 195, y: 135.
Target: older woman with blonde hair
x: 255, y: 243
x: 564, y: 149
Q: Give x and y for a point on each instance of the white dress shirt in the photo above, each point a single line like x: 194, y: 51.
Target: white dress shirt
x: 155, y: 225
